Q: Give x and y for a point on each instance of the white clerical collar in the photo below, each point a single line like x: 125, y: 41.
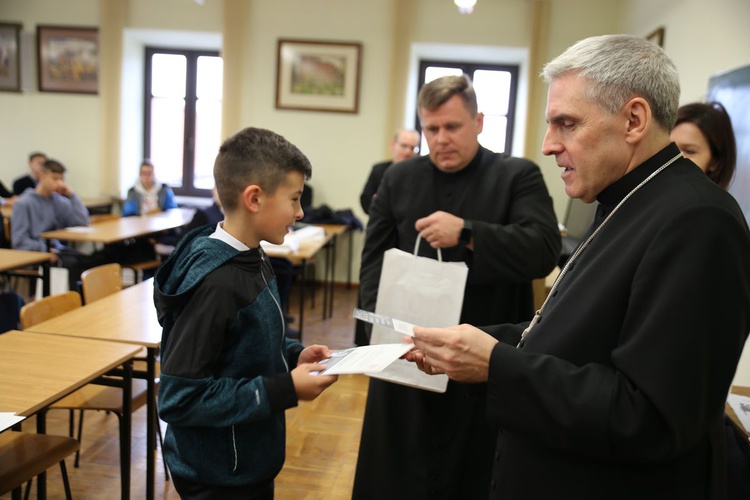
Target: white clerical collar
x: 227, y: 238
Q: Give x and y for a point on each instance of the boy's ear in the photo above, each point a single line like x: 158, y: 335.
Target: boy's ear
x: 251, y: 198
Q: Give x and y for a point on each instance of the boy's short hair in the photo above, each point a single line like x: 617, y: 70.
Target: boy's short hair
x: 255, y: 156
x: 53, y: 166
x: 37, y: 154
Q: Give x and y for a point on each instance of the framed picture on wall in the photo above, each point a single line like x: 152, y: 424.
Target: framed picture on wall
x: 68, y: 59
x: 318, y: 76
x: 10, y: 58
x: 657, y: 36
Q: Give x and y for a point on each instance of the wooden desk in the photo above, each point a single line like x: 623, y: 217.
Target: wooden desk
x: 124, y: 228
x: 335, y: 230
x: 742, y: 391
x: 127, y: 317
x: 37, y: 369
x: 307, y: 250
x: 16, y: 259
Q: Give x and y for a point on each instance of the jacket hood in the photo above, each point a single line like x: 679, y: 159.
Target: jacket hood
x: 192, y: 260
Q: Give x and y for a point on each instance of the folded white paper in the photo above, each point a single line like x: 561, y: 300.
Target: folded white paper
x: 8, y: 420
x: 368, y: 358
x: 741, y: 407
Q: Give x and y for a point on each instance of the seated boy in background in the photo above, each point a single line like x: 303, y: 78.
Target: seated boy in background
x: 52, y: 205
x: 227, y: 371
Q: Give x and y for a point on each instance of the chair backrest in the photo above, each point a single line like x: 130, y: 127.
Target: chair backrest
x: 48, y: 307
x: 100, y: 281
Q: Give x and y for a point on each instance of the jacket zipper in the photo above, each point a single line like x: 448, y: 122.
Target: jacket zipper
x: 278, y: 307
x: 234, y: 449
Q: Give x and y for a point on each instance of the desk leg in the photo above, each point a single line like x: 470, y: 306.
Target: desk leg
x: 126, y: 429
x: 45, y: 279
x: 302, y: 288
x: 349, y: 262
x: 325, y: 277
x: 332, y: 264
x: 150, y: 421
x: 41, y: 479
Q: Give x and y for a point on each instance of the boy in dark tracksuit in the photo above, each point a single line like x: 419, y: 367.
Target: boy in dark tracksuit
x: 227, y: 370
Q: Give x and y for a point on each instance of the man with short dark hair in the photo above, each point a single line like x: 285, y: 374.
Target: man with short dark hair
x: 490, y: 211
x: 21, y: 184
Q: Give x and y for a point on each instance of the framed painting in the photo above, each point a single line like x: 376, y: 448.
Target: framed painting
x: 318, y: 75
x: 68, y: 59
x: 10, y: 57
x: 657, y: 36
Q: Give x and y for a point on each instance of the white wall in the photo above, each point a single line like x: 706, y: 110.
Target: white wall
x: 65, y: 126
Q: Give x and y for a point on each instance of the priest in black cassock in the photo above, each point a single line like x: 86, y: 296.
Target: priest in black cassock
x: 616, y: 389
x: 492, y: 212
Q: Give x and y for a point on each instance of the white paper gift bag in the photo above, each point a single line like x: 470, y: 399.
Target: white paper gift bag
x: 421, y: 291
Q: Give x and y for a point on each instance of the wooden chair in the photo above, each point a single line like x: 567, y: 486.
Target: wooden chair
x: 48, y: 307
x: 91, y: 396
x: 100, y: 281
x: 23, y: 456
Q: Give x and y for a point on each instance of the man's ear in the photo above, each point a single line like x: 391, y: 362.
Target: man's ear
x: 638, y: 113
x: 252, y: 197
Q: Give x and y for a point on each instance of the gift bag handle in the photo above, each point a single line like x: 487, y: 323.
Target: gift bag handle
x: 416, y: 249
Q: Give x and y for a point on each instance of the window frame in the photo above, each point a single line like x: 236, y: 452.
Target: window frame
x: 188, y: 147
x: 469, y: 68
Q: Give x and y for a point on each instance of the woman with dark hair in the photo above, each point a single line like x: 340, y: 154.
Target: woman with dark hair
x: 703, y: 132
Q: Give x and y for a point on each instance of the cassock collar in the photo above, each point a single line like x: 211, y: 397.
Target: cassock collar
x: 615, y: 192
x: 481, y: 152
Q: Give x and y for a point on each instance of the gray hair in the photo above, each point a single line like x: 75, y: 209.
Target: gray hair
x: 620, y: 67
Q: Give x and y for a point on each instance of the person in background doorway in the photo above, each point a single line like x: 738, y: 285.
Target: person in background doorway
x: 21, y: 184
x: 404, y: 145
x: 703, y: 132
x: 148, y: 195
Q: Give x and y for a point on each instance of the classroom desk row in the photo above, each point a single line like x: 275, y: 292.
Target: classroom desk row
x: 302, y: 257
x: 18, y: 259
x: 106, y: 232
x: 39, y: 369
x: 129, y: 318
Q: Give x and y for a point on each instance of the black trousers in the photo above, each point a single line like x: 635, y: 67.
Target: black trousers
x: 190, y: 490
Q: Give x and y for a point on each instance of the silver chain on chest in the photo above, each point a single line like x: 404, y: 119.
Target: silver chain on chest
x: 581, y: 247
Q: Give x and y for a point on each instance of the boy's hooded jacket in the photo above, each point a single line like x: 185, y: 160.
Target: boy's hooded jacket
x: 225, y: 363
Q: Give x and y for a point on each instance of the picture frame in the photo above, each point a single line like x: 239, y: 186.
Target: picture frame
x: 318, y: 75
x: 657, y: 36
x: 10, y: 57
x: 68, y: 59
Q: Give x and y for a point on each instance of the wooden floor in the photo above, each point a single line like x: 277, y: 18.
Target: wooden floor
x: 322, y: 435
